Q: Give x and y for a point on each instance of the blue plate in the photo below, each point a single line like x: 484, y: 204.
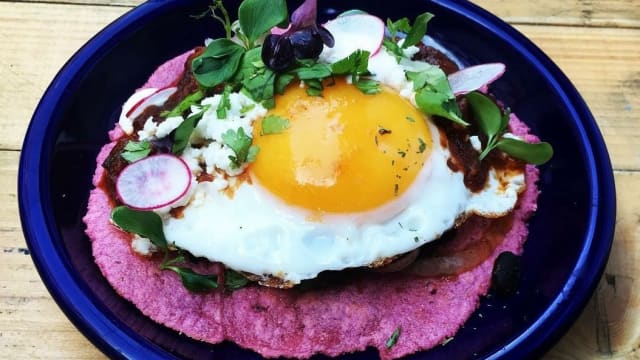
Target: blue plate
x: 563, y: 259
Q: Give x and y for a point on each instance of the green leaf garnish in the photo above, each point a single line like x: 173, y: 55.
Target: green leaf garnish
x: 240, y: 143
x: 422, y: 146
x: 147, y: 224
x: 418, y: 30
x: 356, y: 63
x: 193, y: 281
x: 282, y: 81
x: 401, y: 25
x: 218, y: 63
x: 134, y: 151
x: 183, y: 132
x: 487, y: 114
x: 224, y: 19
x: 368, y: 86
x: 274, y: 124
x: 259, y: 16
x: 536, y: 154
x: 233, y: 280
x: 225, y: 103
x: 393, y: 339
x: 184, y: 105
x: 313, y: 71
x: 434, y: 103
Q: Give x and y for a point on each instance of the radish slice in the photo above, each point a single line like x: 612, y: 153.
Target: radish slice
x: 125, y: 123
x: 158, y: 99
x: 475, y: 77
x: 153, y: 182
x: 353, y: 32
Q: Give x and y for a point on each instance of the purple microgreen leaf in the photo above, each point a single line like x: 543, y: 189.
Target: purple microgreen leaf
x: 305, y: 15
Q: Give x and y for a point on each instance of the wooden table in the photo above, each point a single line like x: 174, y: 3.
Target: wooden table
x: 596, y: 43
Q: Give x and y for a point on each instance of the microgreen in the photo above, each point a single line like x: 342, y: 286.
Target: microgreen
x: 183, y: 132
x: 434, y: 95
x: 274, y: 124
x: 414, y: 34
x: 223, y: 18
x: 218, y: 63
x: 536, y: 154
x: 225, y: 103
x: 393, y: 339
x: 147, y: 224
x: 134, y: 151
x: 240, y: 143
x: 257, y: 17
x: 493, y: 123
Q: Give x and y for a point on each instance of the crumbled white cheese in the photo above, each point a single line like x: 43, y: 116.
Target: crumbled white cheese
x: 152, y: 130
x: 475, y: 142
x: 142, y: 245
x: 211, y: 151
x: 148, y: 130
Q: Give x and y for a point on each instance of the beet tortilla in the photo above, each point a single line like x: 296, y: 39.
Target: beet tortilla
x: 341, y: 319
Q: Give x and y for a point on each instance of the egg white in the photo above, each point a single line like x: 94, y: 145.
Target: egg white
x: 255, y: 232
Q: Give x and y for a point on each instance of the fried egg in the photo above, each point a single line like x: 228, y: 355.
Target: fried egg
x: 354, y: 179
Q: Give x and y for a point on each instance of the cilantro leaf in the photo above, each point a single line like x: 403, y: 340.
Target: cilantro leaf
x: 256, y: 17
x: 368, y: 86
x: 240, y: 143
x: 282, y: 81
x: 401, y: 25
x: 218, y: 63
x: 393, y: 48
x: 261, y: 88
x: 274, y: 124
x: 135, y: 151
x: 225, y: 103
x: 356, y: 63
x: 315, y: 71
x: 418, y: 30
x: 193, y: 281
x: 147, y: 224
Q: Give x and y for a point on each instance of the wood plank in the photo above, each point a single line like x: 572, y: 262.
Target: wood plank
x: 26, y: 308
x: 603, y: 64
x: 611, y: 13
x: 610, y: 324
x: 35, y: 41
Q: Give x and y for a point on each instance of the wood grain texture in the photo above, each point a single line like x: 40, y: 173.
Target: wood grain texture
x: 609, y: 328
x: 595, y: 42
x: 610, y: 13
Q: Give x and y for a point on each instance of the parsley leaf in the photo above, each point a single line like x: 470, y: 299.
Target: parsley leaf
x: 274, y: 124
x: 368, y: 86
x: 135, y: 151
x: 418, y: 30
x: 240, y: 143
x: 393, y: 339
x: 225, y: 103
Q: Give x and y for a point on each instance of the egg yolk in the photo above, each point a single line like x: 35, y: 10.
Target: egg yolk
x: 344, y: 151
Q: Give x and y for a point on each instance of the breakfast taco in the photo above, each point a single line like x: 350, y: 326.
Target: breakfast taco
x: 298, y: 188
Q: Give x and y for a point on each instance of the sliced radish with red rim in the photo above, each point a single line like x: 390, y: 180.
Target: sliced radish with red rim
x: 156, y: 99
x: 153, y: 182
x: 475, y: 77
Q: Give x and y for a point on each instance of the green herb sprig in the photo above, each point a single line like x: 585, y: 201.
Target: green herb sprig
x: 136, y: 150
x: 240, y: 143
x: 493, y: 123
x: 148, y: 224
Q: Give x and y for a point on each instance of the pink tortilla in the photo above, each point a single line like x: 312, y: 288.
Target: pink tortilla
x: 300, y: 324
